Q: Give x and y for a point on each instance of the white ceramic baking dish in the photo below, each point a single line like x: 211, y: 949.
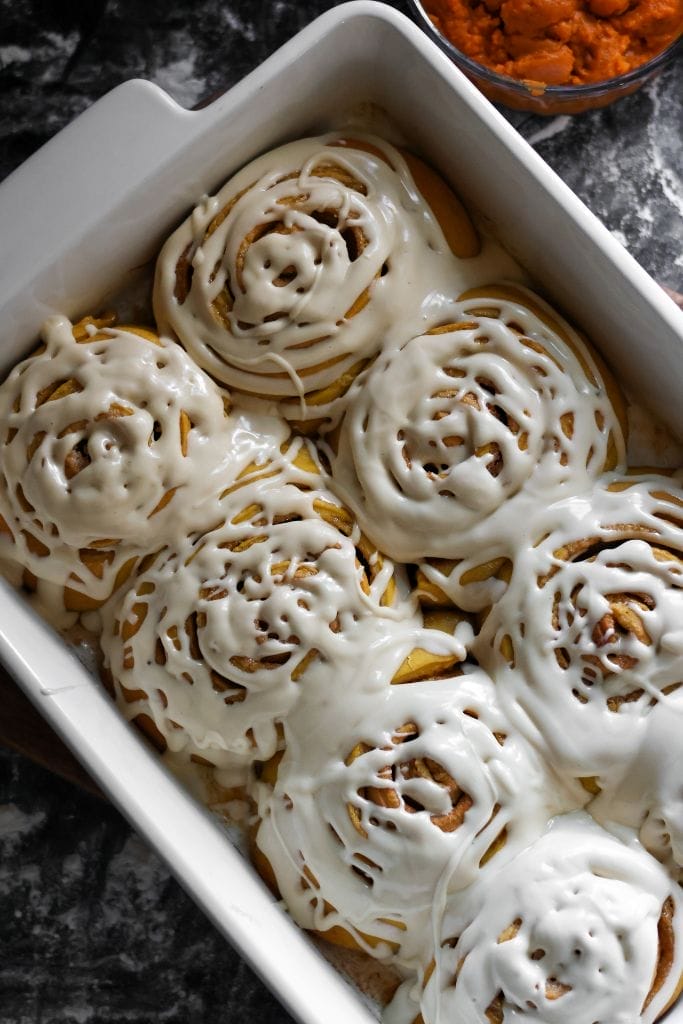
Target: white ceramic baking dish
x: 96, y: 202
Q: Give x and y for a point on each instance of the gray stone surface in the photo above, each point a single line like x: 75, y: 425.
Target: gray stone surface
x: 92, y: 927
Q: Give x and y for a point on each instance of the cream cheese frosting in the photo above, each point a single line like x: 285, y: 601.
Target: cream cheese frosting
x: 411, y: 792
x: 260, y: 623
x: 109, y: 443
x: 649, y: 798
x: 214, y: 641
x: 452, y: 439
x: 587, y: 639
x: 579, y: 927
x: 284, y: 284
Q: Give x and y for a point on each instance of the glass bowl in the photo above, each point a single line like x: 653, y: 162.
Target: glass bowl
x: 536, y: 96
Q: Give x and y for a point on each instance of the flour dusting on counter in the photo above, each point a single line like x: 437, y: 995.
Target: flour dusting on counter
x: 178, y: 76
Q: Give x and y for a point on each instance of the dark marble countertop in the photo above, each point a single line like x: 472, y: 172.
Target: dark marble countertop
x: 92, y: 926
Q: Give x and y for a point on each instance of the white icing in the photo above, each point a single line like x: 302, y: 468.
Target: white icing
x: 566, y: 932
x: 302, y: 262
x: 118, y: 426
x: 426, y: 807
x: 593, y: 616
x: 217, y: 637
x: 650, y: 796
x: 451, y: 441
x: 266, y: 622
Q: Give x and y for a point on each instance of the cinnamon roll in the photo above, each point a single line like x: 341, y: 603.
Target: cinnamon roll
x: 284, y: 283
x: 210, y: 647
x: 375, y: 814
x: 455, y: 437
x: 579, y: 928
x: 109, y: 434
x: 587, y: 639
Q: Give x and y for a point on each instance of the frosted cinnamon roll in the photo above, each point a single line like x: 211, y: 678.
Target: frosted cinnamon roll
x: 587, y: 639
x: 210, y: 647
x: 375, y: 814
x: 579, y: 928
x: 457, y: 436
x: 284, y: 283
x: 109, y: 435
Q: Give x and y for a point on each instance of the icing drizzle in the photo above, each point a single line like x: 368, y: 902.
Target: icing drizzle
x: 450, y: 441
x: 578, y: 927
x: 215, y: 640
x: 378, y: 812
x: 111, y: 437
x: 402, y: 791
x: 284, y: 284
x: 587, y: 639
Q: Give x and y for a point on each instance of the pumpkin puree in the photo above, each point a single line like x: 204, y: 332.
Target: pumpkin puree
x: 559, y: 42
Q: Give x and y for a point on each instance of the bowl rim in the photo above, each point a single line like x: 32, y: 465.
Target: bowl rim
x: 536, y: 89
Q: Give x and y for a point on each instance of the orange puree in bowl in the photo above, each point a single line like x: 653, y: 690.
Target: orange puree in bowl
x: 559, y: 42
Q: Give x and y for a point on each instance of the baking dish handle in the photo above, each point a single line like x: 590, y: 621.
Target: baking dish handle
x: 80, y: 177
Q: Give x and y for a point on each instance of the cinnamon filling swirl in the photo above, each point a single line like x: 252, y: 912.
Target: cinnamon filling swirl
x: 579, y: 927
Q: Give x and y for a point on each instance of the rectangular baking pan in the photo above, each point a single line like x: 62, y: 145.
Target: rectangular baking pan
x: 96, y: 202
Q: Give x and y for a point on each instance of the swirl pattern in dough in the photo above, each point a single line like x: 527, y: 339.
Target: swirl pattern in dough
x: 399, y: 772
x: 375, y: 815
x: 454, y: 437
x: 283, y: 285
x: 209, y: 648
x: 103, y: 429
x: 587, y: 639
x: 578, y: 929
